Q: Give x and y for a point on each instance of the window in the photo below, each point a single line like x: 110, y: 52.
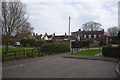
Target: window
x: 94, y: 36
x: 84, y: 36
x: 89, y: 36
x: 99, y: 35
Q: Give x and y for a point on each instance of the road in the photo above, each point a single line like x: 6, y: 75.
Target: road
x: 55, y: 66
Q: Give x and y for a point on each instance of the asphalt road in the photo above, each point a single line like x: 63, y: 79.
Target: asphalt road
x: 58, y: 67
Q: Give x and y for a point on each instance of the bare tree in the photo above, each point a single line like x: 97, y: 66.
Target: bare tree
x: 11, y: 19
x: 91, y: 26
x: 113, y: 31
x: 24, y: 31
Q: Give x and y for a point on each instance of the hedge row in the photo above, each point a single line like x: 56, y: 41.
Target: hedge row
x: 28, y: 42
x: 111, y: 51
x: 57, y: 47
x: 80, y: 44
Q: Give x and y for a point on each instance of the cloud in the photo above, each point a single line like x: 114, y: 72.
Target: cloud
x: 53, y: 16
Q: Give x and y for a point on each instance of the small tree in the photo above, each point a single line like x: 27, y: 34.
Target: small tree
x: 113, y: 31
x: 119, y: 37
x: 101, y: 43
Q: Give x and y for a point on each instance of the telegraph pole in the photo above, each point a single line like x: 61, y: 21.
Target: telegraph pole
x: 69, y: 35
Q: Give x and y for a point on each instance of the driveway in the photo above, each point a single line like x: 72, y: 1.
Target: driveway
x: 55, y: 66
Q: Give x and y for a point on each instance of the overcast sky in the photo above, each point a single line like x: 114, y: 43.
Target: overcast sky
x: 51, y: 16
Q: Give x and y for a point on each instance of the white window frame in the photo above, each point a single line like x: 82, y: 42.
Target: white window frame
x: 95, y: 36
x: 99, y: 35
x: 85, y: 36
x: 89, y: 36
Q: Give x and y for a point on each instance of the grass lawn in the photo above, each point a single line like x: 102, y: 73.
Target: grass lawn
x: 90, y: 52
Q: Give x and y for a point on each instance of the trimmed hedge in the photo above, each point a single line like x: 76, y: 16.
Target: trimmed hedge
x: 57, y: 47
x: 111, y: 51
x: 80, y: 44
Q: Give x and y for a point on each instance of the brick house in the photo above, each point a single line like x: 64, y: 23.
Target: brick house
x: 92, y: 36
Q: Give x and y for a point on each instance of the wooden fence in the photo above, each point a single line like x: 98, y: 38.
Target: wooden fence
x: 15, y: 55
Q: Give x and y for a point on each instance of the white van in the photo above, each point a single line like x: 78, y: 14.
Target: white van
x: 17, y: 44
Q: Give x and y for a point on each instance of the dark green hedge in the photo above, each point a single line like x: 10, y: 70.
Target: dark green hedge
x: 30, y: 42
x: 109, y: 51
x: 56, y: 47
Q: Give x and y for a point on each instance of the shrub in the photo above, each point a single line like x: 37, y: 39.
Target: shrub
x: 39, y: 43
x: 80, y: 44
x: 28, y: 42
x: 109, y: 51
x: 94, y: 44
x: 57, y: 47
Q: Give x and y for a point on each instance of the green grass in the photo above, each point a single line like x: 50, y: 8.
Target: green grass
x: 18, y: 49
x: 90, y: 52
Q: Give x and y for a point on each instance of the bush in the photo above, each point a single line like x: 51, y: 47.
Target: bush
x: 80, y: 44
x: 57, y: 47
x: 94, y: 44
x: 39, y: 43
x: 109, y: 51
x: 28, y: 42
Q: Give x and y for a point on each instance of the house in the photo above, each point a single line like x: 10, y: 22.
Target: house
x: 82, y: 35
x: 36, y: 36
x: 60, y: 37
x: 52, y: 37
x: 42, y: 37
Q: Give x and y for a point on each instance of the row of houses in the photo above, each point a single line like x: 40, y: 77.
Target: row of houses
x: 80, y: 35
x: 53, y: 37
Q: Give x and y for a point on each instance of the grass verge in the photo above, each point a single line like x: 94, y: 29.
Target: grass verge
x: 90, y: 52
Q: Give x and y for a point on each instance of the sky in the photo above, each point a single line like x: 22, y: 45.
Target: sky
x: 52, y: 16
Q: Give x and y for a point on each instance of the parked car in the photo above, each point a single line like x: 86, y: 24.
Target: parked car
x: 17, y: 44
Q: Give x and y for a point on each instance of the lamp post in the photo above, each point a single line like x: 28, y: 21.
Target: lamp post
x: 69, y: 28
x: 69, y: 36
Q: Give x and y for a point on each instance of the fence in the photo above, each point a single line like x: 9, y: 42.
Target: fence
x: 15, y: 55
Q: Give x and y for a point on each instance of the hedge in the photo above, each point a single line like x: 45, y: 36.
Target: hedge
x: 109, y: 51
x: 57, y: 47
x: 30, y: 42
x: 80, y: 44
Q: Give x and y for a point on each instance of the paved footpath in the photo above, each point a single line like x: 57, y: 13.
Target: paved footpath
x: 60, y: 66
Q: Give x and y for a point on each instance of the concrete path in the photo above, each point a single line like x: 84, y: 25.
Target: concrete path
x: 55, y: 66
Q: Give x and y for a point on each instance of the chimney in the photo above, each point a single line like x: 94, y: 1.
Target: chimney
x: 53, y: 34
x: 36, y: 34
x: 103, y: 31
x: 79, y: 30
x: 45, y: 34
x: 33, y: 34
x: 65, y: 34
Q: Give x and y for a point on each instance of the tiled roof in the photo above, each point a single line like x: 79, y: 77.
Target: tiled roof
x: 89, y: 32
